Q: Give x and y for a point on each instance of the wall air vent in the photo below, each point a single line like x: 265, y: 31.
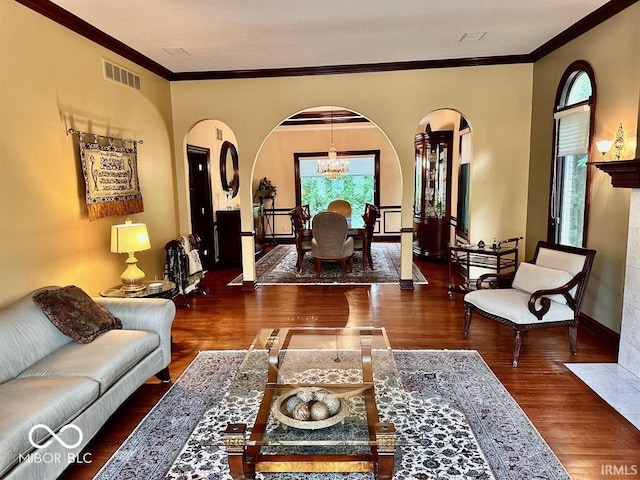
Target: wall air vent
x: 120, y: 75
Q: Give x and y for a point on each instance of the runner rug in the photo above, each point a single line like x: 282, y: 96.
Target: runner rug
x: 472, y: 427
x: 278, y: 267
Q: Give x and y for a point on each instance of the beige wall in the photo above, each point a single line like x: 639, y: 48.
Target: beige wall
x: 495, y: 99
x: 612, y: 50
x: 51, y: 81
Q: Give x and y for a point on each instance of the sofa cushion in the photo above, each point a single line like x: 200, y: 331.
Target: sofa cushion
x: 512, y: 304
x: 104, y: 360
x: 50, y: 401
x: 27, y: 336
x: 75, y: 313
x: 531, y: 278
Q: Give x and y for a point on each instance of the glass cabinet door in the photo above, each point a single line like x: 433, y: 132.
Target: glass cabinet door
x: 436, y: 191
x: 419, y: 168
x: 432, y: 203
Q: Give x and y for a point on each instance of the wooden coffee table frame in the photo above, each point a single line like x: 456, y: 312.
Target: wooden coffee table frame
x: 245, y: 457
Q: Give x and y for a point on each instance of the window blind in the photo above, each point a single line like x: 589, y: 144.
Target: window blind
x: 573, y: 131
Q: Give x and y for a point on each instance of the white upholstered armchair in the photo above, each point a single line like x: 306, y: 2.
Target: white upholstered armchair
x: 547, y: 292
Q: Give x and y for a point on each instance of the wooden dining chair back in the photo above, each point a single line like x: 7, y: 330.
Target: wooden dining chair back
x: 547, y: 292
x: 330, y: 242
x: 340, y: 206
x: 370, y: 217
x: 300, y: 217
x: 364, y: 240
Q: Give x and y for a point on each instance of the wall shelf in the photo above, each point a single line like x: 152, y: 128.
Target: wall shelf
x: 624, y: 173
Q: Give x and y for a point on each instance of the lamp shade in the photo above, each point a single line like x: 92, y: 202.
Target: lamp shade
x: 129, y: 237
x: 604, y: 146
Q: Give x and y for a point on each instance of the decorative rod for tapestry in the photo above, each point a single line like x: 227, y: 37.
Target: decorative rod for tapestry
x: 96, y: 136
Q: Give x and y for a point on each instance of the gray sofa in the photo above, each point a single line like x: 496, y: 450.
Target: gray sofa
x: 50, y: 383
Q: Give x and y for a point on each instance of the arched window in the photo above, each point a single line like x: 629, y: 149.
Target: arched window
x: 573, y: 122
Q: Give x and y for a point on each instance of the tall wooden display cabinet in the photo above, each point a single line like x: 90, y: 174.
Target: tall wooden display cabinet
x: 432, y: 202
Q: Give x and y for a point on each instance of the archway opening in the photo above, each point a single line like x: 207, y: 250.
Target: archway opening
x: 212, y: 180
x: 289, y: 156
x: 442, y: 213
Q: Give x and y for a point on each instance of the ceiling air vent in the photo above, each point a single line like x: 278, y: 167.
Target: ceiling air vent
x: 120, y: 75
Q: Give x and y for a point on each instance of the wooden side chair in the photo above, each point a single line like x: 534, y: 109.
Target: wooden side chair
x: 363, y: 242
x: 547, y: 292
x: 330, y: 242
x: 300, y: 217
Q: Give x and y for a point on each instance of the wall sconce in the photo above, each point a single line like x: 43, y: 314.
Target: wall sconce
x: 604, y: 146
x: 130, y: 238
x: 617, y: 143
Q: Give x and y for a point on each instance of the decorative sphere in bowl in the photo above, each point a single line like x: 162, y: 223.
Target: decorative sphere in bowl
x: 302, y: 408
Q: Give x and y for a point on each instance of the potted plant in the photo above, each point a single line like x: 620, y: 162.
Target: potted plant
x: 265, y: 189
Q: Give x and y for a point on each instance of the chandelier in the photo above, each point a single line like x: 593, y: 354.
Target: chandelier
x: 332, y: 167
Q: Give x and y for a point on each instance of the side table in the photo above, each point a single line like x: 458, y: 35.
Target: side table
x: 167, y: 290
x: 463, y: 257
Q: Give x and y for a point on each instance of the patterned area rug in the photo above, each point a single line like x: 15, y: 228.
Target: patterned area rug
x: 471, y: 427
x: 278, y: 267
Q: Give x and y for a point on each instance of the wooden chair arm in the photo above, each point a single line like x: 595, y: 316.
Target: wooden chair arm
x: 540, y: 296
x: 494, y: 280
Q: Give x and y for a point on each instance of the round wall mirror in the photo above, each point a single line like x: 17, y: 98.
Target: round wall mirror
x: 229, y: 165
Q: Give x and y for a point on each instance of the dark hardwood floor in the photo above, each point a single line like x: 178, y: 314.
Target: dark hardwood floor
x: 585, y: 433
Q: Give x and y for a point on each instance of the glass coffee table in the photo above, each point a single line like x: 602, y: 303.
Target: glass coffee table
x: 321, y: 406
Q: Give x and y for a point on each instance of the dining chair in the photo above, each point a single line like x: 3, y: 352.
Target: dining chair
x: 330, y: 242
x: 547, y: 292
x: 363, y: 241
x: 340, y: 206
x: 300, y: 217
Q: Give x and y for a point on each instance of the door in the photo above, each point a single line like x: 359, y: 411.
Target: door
x: 201, y: 203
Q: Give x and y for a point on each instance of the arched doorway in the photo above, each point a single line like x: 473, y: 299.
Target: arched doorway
x: 442, y: 183
x: 212, y: 180
x: 288, y: 159
x: 307, y: 135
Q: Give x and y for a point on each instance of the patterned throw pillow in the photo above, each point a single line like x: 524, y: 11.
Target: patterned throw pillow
x: 75, y: 313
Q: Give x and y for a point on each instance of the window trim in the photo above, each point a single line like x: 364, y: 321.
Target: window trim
x: 564, y: 86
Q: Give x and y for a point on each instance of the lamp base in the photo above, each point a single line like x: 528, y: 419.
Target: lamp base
x: 132, y: 288
x: 132, y: 278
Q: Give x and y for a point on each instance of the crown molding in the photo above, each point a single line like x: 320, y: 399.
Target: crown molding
x: 76, y: 24
x: 592, y: 20
x: 359, y: 68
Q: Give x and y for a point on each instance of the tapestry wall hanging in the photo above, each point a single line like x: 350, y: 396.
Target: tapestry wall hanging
x: 110, y: 176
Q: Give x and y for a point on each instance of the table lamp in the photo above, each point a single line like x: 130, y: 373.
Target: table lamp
x: 130, y: 238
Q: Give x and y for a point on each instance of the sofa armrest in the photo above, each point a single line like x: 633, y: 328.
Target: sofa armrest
x: 152, y: 314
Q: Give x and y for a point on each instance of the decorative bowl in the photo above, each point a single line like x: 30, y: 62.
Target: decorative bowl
x: 309, y: 398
